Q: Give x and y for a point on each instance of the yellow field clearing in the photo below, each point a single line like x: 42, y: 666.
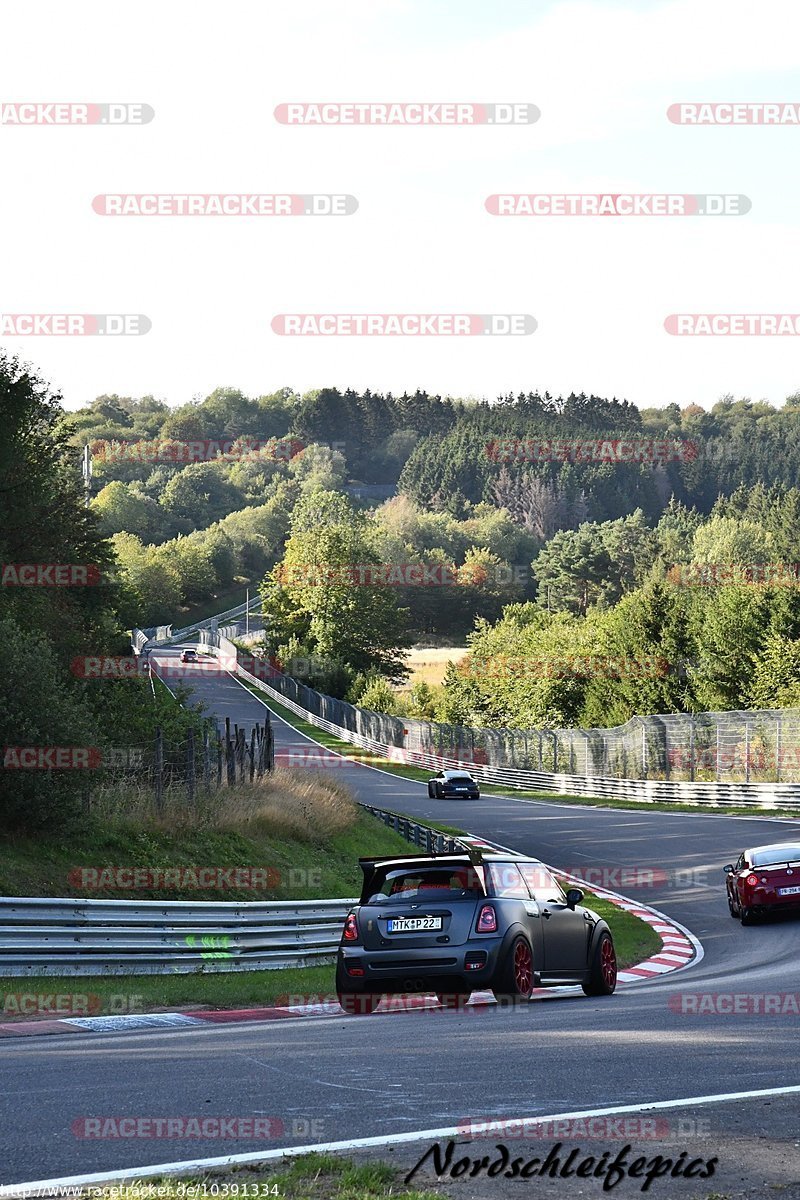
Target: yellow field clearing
x: 430, y: 664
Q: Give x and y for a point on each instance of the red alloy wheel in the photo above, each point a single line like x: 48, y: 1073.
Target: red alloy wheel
x: 608, y: 963
x: 523, y: 968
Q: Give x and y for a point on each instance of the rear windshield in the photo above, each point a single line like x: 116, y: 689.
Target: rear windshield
x: 442, y: 883
x: 776, y: 855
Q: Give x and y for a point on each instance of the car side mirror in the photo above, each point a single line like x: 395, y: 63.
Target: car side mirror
x: 729, y: 868
x: 574, y: 896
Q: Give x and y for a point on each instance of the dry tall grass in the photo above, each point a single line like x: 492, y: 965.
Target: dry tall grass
x: 308, y: 805
x: 428, y: 664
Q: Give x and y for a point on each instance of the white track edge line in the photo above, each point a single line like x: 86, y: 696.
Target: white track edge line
x: 256, y: 1156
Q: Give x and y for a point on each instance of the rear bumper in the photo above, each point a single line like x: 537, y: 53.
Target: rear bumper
x: 770, y: 902
x: 439, y: 968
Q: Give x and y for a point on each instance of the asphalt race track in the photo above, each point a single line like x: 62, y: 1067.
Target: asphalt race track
x: 334, y: 1078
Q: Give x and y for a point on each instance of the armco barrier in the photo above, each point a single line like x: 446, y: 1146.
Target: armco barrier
x: 164, y: 937
x: 40, y: 938
x: 238, y: 610
x: 430, y: 841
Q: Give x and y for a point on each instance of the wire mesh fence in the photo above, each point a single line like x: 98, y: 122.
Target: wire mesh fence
x: 169, y: 769
x: 747, y: 746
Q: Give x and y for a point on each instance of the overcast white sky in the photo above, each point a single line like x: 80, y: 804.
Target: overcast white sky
x: 602, y: 72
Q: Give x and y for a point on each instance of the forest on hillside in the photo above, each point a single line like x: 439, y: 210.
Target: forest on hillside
x: 533, y: 536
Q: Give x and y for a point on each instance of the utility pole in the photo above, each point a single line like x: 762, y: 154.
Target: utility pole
x: 247, y: 614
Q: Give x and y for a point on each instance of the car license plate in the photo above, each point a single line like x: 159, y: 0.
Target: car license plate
x: 413, y: 924
x: 792, y: 891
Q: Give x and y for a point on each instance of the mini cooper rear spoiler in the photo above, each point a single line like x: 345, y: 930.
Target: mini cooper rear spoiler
x: 473, y: 853
x: 369, y: 865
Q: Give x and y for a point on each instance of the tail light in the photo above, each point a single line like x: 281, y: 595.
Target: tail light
x: 351, y: 928
x: 751, y: 880
x: 487, y: 920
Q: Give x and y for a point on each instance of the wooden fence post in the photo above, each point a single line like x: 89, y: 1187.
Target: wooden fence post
x: 159, y: 771
x: 190, y: 789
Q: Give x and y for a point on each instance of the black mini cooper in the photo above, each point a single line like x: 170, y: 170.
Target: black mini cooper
x: 452, y: 924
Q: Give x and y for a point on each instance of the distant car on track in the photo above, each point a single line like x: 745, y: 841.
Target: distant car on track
x: 453, y: 785
x: 189, y: 656
x: 763, y: 880
x: 450, y: 924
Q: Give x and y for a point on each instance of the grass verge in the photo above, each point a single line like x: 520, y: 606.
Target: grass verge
x: 307, y: 1177
x: 307, y: 864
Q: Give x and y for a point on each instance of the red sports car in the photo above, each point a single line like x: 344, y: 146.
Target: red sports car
x: 763, y: 880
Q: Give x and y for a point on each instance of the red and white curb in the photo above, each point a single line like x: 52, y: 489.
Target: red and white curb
x: 679, y: 949
x: 678, y: 946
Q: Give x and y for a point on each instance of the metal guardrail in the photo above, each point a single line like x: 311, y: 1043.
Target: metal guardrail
x: 42, y: 938
x: 237, y: 611
x: 50, y: 937
x: 431, y: 841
